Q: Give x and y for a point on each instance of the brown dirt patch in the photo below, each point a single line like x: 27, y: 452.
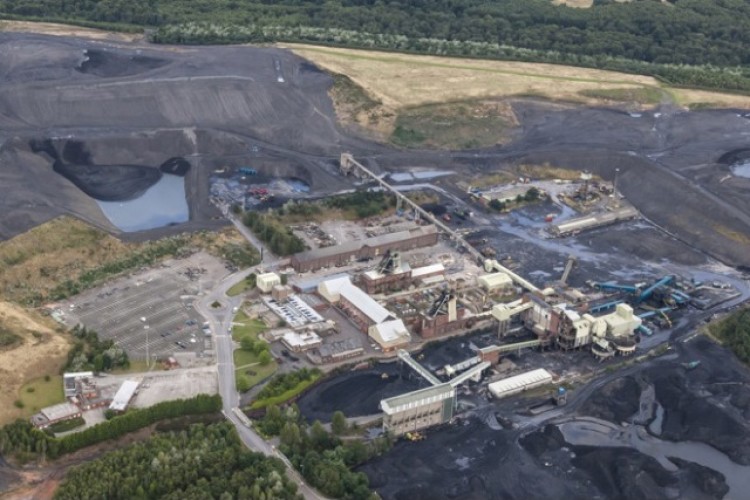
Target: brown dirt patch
x: 66, y: 30
x: 42, y: 351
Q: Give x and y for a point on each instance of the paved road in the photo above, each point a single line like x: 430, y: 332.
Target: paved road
x: 220, y: 321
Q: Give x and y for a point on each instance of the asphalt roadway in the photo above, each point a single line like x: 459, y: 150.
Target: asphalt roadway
x: 220, y: 322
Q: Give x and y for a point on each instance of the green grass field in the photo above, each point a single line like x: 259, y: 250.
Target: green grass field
x: 249, y: 376
x: 247, y: 326
x: 642, y: 95
x: 39, y: 394
x: 238, y: 288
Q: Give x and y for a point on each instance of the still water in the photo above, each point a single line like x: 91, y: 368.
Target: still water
x: 162, y: 204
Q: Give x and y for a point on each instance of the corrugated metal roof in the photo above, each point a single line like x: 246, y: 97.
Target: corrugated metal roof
x: 60, y: 411
x: 343, y: 287
x: 520, y: 382
x: 124, y: 395
x: 364, y: 303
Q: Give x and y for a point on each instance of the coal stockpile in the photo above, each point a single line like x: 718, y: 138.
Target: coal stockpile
x: 357, y: 393
x: 734, y: 156
x: 468, y: 461
x: 617, y: 401
x: 175, y: 166
x: 108, y: 64
x: 110, y: 182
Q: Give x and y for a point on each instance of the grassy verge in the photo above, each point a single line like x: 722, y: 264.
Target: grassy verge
x: 641, y: 95
x: 250, y: 376
x: 136, y: 366
x: 40, y: 393
x: 285, y: 396
x: 459, y: 125
x: 239, y: 288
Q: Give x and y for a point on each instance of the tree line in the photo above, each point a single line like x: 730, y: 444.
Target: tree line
x: 642, y: 36
x: 202, y: 462
x: 734, y: 331
x: 277, y: 236
x: 323, y: 458
x: 26, y: 442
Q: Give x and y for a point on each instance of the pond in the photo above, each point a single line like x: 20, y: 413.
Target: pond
x: 162, y: 204
x: 742, y: 169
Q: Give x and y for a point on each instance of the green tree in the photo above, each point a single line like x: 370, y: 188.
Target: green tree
x: 338, y: 423
x: 264, y: 358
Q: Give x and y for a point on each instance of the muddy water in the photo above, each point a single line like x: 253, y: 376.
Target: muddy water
x: 162, y: 204
x: 589, y: 431
x: 742, y: 169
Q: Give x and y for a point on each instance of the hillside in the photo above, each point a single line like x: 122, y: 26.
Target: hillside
x: 30, y: 348
x: 445, y: 102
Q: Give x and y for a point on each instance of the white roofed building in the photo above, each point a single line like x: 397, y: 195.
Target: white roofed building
x: 361, y: 308
x: 123, y: 395
x: 390, y: 335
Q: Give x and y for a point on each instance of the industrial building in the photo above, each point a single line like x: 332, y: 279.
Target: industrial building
x: 427, y: 407
x: 124, y: 395
x: 265, y: 282
x: 370, y: 248
x: 575, y: 226
x: 519, y: 383
x: 390, y: 274
x: 418, y: 409
x: 73, y: 382
x: 55, y: 414
x: 298, y: 342
x: 390, y: 335
x: 495, y: 282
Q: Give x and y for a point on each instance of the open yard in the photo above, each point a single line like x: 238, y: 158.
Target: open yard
x: 66, y: 255
x: 405, y: 98
x: 40, y: 351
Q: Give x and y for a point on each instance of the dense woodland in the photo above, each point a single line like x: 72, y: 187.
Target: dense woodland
x: 734, y: 331
x: 645, y: 36
x: 202, y: 462
x: 323, y: 458
x: 25, y: 442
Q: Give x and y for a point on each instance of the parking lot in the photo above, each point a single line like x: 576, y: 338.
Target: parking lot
x: 152, y: 308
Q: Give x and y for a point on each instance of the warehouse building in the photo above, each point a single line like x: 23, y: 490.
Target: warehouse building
x: 351, y: 251
x: 362, y: 309
x: 54, y: 414
x: 124, y: 395
x: 575, y: 226
x: 519, y: 383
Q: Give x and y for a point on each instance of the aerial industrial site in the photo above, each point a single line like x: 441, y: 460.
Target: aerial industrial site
x: 528, y: 320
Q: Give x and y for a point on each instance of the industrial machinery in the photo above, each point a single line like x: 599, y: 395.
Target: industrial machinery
x: 568, y: 267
